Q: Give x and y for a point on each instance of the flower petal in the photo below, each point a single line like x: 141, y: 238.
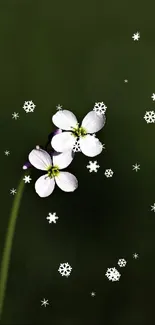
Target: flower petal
x: 63, y: 141
x: 66, y: 181
x: 93, y: 122
x: 53, y: 133
x: 64, y: 120
x: 63, y: 160
x: 44, y: 186
x: 40, y: 159
x: 90, y: 146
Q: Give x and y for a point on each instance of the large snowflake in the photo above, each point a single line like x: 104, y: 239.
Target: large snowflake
x: 93, y: 166
x: 29, y: 106
x: 149, y: 117
x: 65, y: 269
x: 100, y: 108
x: 112, y: 274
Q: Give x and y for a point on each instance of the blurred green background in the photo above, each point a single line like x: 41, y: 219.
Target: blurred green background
x: 76, y: 53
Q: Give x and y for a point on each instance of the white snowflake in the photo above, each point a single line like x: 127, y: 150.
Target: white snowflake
x: 59, y: 107
x: 136, y: 167
x: 149, y: 117
x: 15, y: 115
x: 135, y: 255
x: 65, y: 269
x: 153, y: 207
x: 44, y: 302
x: 153, y: 96
x: 93, y: 167
x: 103, y: 146
x: 29, y: 106
x: 93, y: 294
x: 100, y: 108
x: 136, y: 36
x: 126, y: 81
x: 113, y: 274
x: 27, y: 179
x: 108, y: 172
x: 52, y: 217
x: 7, y: 153
x: 122, y: 262
x: 76, y: 146
x: 13, y: 191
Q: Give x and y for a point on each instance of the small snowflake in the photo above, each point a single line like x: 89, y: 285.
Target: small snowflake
x: 108, y: 172
x: 103, y: 146
x: 153, y: 96
x: 122, y: 262
x: 29, y: 106
x: 7, y: 153
x: 59, y: 107
x: 13, y: 191
x: 112, y: 274
x: 135, y: 255
x: 136, y: 36
x: 27, y: 179
x: 15, y: 115
x: 65, y: 269
x: 100, y: 108
x: 149, y: 117
x: 126, y: 81
x: 44, y: 302
x: 93, y: 167
x: 136, y: 167
x: 52, y: 217
x: 76, y: 146
x: 93, y: 294
x: 153, y: 207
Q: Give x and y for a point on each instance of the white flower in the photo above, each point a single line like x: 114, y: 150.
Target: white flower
x: 45, y: 184
x: 66, y: 120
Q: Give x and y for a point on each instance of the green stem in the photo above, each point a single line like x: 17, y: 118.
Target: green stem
x: 8, y: 243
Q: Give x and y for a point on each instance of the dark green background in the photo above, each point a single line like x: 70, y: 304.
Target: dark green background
x: 77, y: 53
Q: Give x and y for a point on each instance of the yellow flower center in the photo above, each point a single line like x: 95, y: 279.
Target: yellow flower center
x: 79, y: 132
x: 53, y: 171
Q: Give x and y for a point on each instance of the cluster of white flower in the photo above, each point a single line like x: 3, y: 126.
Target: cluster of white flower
x: 77, y: 137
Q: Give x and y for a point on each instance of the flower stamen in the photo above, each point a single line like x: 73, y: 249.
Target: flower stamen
x: 79, y: 132
x: 53, y: 171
